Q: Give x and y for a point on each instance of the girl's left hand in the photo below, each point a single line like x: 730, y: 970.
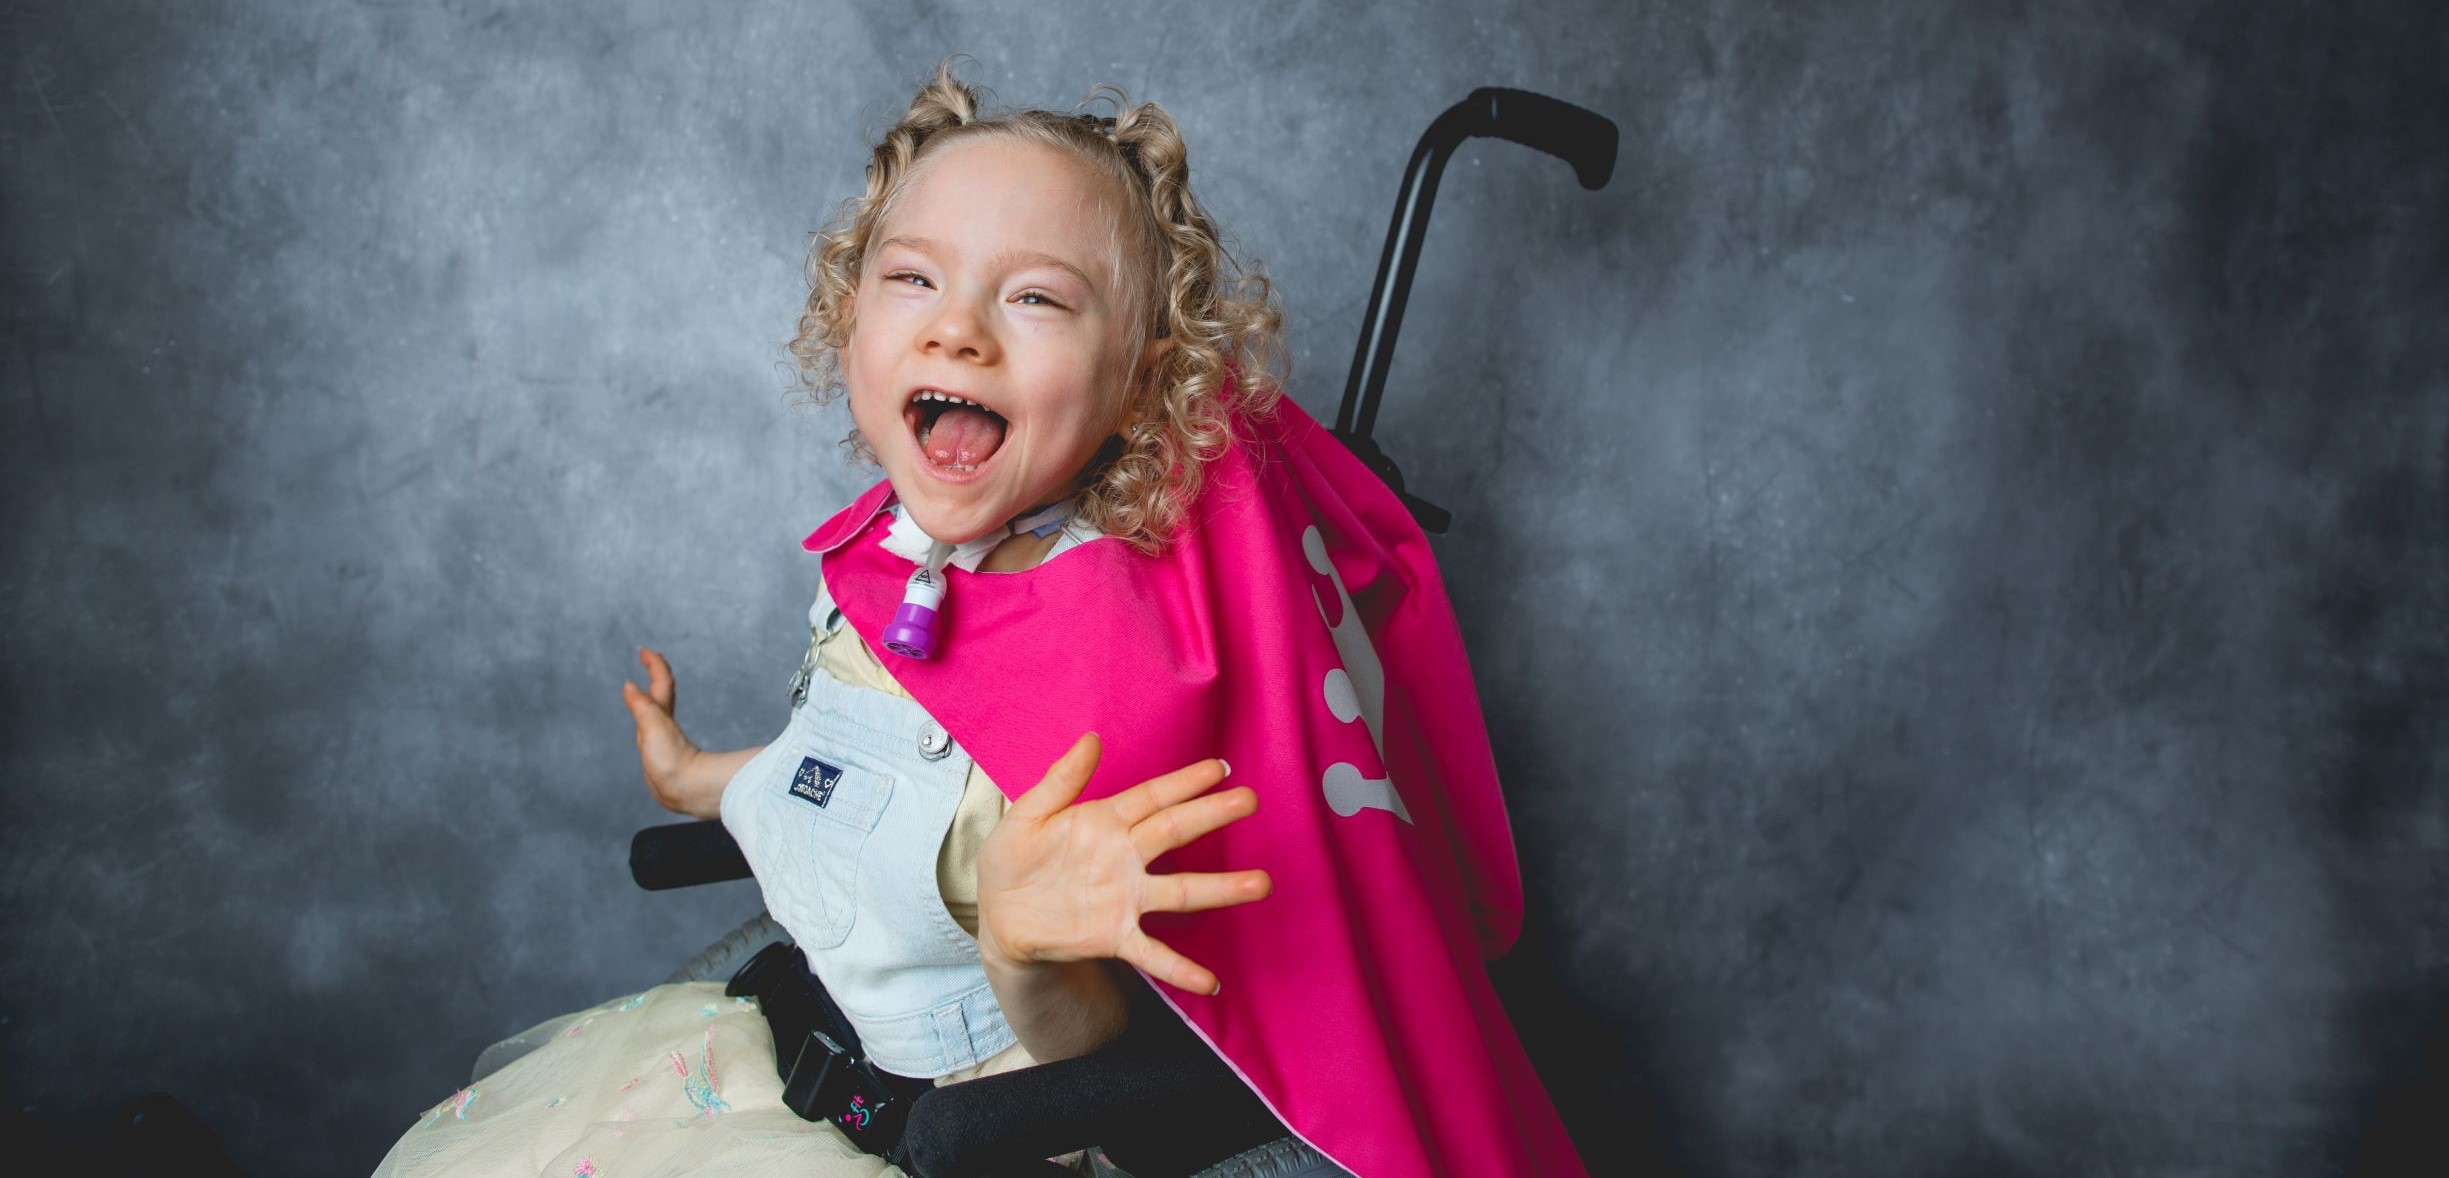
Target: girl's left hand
x: 1064, y: 882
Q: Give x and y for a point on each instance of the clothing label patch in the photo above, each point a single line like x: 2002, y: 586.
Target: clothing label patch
x: 815, y: 780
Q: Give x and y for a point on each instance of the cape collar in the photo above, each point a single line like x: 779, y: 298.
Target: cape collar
x: 905, y: 540
x: 851, y: 520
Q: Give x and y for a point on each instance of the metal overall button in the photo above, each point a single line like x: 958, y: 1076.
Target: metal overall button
x: 933, y: 742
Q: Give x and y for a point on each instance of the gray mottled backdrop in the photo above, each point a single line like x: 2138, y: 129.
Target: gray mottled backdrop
x: 1953, y: 538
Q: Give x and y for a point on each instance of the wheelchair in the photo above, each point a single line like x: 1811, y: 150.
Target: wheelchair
x: 1010, y: 1124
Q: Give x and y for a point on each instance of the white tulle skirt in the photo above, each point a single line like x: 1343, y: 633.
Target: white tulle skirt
x: 677, y: 1080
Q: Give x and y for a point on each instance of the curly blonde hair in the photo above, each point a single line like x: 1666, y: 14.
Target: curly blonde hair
x: 1181, y: 275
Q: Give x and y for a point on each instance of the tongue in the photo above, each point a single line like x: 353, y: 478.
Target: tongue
x: 963, y: 436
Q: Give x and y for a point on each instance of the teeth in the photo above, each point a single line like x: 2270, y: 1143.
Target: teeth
x: 934, y: 395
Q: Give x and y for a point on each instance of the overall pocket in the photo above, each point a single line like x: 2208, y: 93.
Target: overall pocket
x: 818, y: 800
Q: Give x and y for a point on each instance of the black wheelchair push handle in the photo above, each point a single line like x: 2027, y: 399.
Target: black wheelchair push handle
x: 1582, y: 138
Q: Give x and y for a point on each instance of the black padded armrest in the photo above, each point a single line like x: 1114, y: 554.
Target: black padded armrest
x: 1156, y: 1099
x: 684, y: 854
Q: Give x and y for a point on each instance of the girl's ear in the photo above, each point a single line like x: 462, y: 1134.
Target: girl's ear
x: 1154, y: 352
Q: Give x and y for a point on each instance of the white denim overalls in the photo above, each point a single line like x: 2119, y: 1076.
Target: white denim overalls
x: 842, y: 818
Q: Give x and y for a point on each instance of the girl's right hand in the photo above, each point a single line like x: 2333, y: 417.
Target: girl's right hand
x: 664, y: 752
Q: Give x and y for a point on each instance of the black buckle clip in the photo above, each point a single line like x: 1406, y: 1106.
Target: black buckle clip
x: 824, y: 1083
x: 824, y: 1076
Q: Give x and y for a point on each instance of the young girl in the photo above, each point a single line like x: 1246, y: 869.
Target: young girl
x: 1097, y: 519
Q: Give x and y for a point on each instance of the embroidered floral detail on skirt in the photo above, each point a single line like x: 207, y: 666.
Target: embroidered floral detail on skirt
x: 700, y: 1085
x: 456, y: 1105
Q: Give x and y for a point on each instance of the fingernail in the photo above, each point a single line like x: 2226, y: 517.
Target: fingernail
x: 1216, y: 989
x: 1228, y: 766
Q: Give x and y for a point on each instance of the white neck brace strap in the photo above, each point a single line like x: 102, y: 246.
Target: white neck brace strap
x: 905, y: 540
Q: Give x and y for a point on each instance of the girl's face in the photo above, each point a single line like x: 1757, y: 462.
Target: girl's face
x: 993, y: 282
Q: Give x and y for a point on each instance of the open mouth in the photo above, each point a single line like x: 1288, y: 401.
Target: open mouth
x: 954, y: 432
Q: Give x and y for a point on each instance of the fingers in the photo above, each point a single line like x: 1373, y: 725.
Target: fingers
x: 1135, y: 804
x: 1063, y: 781
x: 659, y: 684
x: 1197, y: 891
x: 1176, y: 825
x: 1158, y: 960
x: 654, y: 726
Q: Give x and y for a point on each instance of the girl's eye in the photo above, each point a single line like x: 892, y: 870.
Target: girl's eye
x: 1043, y: 299
x: 898, y: 275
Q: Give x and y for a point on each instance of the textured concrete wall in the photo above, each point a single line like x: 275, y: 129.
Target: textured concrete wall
x: 1953, y: 538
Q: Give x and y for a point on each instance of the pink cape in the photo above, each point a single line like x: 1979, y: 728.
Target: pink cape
x: 1299, y: 629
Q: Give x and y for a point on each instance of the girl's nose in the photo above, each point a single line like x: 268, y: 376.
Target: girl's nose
x: 957, y: 331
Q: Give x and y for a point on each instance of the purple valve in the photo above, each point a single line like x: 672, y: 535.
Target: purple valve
x: 912, y: 631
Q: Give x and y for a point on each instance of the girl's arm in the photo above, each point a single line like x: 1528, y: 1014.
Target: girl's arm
x: 1061, y: 888
x: 1059, y: 1009
x: 682, y: 776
